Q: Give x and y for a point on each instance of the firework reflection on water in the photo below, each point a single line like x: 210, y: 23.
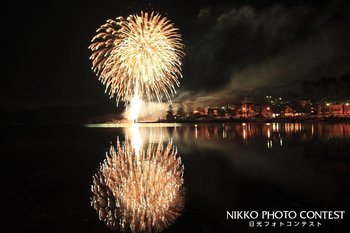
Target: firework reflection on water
x: 139, y: 192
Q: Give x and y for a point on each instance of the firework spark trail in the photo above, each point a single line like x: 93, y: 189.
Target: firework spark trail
x: 142, y: 50
x: 141, y: 193
x: 135, y: 106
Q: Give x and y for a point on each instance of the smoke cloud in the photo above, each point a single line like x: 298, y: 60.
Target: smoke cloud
x: 250, y: 51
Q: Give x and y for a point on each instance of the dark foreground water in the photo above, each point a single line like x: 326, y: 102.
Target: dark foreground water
x: 46, y: 174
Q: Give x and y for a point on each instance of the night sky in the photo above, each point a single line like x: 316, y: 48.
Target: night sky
x: 233, y: 48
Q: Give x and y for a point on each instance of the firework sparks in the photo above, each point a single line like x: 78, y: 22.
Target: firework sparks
x: 135, y: 106
x: 142, y: 51
x: 141, y: 193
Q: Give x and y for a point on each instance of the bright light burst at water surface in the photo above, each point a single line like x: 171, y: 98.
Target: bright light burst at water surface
x: 142, y: 52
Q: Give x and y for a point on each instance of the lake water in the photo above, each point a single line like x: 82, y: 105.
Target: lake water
x: 47, y: 173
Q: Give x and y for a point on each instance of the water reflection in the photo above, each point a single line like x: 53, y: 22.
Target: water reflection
x: 259, y: 165
x: 137, y: 188
x: 275, y: 134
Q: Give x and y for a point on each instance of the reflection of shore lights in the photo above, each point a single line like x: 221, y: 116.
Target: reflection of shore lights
x: 269, y: 144
x: 139, y: 193
x: 244, y: 134
x: 275, y: 127
x: 224, y: 134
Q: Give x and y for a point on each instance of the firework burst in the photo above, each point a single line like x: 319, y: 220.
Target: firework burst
x: 139, y: 192
x: 141, y: 53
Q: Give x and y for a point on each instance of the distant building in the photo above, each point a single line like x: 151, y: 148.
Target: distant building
x: 266, y: 111
x: 306, y: 107
x: 274, y: 101
x: 347, y: 109
x: 249, y: 109
x: 198, y: 112
x: 275, y: 109
x: 231, y: 110
x: 333, y: 109
x: 213, y: 111
x: 337, y: 109
x: 288, y: 111
x: 304, y: 103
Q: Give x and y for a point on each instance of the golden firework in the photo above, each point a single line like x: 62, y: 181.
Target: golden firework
x: 141, y: 53
x: 139, y: 192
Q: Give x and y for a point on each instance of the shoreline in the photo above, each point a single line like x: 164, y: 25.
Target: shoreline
x: 189, y: 121
x: 258, y: 120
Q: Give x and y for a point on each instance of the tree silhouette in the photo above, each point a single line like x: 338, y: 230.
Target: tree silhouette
x: 169, y: 113
x: 181, y: 111
x: 189, y: 109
